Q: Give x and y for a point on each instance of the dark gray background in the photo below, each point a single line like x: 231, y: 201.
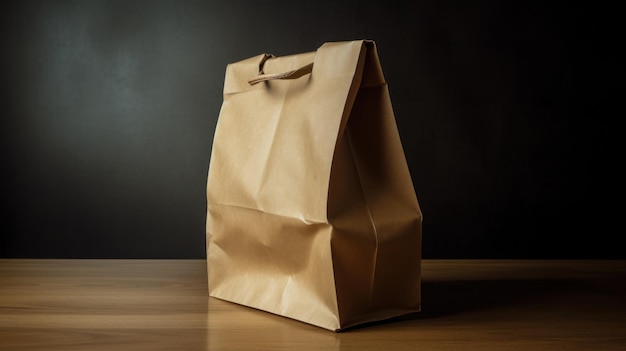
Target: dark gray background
x: 505, y: 109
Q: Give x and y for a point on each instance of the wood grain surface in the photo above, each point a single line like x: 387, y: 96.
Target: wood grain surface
x: 163, y: 305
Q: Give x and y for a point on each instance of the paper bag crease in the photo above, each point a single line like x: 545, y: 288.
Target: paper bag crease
x: 311, y: 212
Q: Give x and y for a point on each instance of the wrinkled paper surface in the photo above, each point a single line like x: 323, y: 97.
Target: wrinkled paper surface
x: 311, y: 211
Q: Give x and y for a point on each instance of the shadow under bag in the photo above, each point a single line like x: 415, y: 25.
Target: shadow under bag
x: 311, y: 211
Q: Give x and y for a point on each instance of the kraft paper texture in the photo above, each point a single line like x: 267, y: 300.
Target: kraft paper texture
x: 311, y: 211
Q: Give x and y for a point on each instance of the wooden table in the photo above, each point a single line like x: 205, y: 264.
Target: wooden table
x: 163, y: 305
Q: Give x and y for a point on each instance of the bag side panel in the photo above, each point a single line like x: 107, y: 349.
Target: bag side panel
x: 389, y: 193
x: 390, y: 211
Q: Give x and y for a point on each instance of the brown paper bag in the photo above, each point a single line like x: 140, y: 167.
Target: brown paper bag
x: 311, y: 212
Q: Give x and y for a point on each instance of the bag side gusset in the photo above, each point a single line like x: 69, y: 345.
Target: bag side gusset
x: 373, y: 210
